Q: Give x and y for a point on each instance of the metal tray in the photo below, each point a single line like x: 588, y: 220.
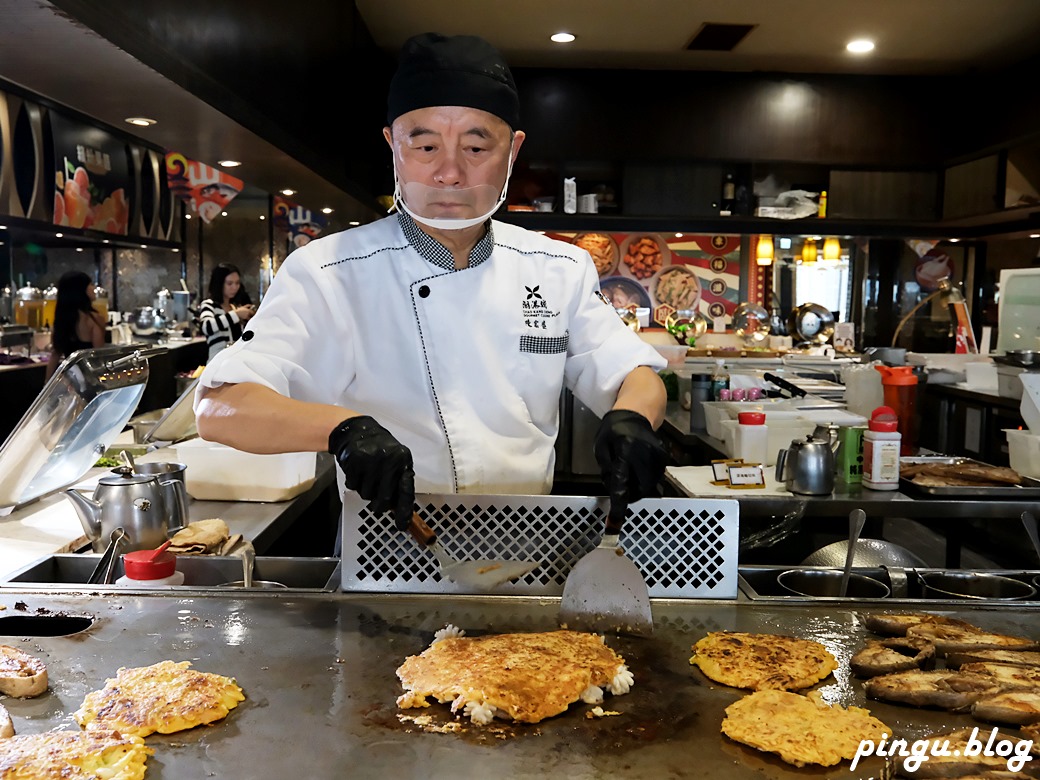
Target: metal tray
x: 1030, y: 488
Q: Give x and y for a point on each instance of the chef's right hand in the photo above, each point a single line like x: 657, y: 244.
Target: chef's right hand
x: 377, y: 466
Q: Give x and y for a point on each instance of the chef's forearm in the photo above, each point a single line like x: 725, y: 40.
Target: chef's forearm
x: 643, y: 392
x: 254, y: 418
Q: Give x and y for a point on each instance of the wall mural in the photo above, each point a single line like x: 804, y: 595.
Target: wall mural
x: 664, y: 272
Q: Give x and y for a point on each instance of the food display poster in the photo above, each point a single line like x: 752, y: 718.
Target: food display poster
x: 205, y: 189
x: 665, y: 272
x: 301, y: 224
x: 91, y: 177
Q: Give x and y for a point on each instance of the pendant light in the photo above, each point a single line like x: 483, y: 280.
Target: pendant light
x: 831, y: 249
x: 764, y: 252
x: 809, y: 251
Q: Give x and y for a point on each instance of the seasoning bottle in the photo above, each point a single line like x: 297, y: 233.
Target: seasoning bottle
x: 751, y: 438
x: 150, y: 569
x: 899, y: 385
x: 881, y: 443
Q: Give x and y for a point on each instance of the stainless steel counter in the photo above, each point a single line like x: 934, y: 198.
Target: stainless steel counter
x: 318, y: 673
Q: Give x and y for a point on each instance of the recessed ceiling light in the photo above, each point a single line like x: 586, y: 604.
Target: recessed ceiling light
x: 1031, y: 235
x: 187, y: 216
x: 144, y: 246
x: 3, y: 227
x: 326, y: 210
x: 223, y: 213
x: 288, y: 192
x: 176, y: 250
x: 860, y: 46
x: 140, y: 121
x: 678, y: 235
x: 954, y: 240
x: 262, y: 217
x: 79, y: 249
x: 353, y: 223
x: 105, y: 241
x: 58, y: 235
x: 228, y: 163
x: 561, y: 37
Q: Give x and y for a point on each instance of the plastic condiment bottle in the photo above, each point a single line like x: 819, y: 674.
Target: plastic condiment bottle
x: 900, y: 390
x: 145, y: 569
x: 881, y: 450
x: 751, y: 438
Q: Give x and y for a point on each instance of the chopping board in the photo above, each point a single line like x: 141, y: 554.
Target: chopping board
x: 696, y: 481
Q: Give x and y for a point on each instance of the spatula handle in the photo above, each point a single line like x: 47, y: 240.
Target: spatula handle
x: 421, y: 532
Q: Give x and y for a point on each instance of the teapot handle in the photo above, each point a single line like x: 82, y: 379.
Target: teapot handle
x: 180, y: 498
x: 781, y: 459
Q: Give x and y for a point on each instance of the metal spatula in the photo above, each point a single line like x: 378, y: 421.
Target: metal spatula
x: 605, y: 591
x: 482, y: 575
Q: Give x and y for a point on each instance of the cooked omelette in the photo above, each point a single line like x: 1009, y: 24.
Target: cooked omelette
x: 68, y: 755
x: 762, y: 661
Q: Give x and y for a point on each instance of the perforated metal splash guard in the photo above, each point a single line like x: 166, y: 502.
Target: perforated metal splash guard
x: 685, y: 547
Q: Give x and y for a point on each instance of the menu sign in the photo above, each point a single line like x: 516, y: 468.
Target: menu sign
x: 91, y: 177
x: 301, y: 224
x: 207, y: 190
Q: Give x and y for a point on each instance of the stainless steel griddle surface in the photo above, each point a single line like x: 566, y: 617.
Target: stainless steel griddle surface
x: 318, y: 671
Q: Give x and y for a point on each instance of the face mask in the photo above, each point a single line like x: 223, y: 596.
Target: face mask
x: 422, y: 195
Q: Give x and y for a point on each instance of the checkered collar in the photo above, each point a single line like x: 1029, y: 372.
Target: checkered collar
x: 435, y: 252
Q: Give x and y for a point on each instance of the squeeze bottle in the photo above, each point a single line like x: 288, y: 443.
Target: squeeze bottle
x: 900, y: 391
x: 145, y: 569
x: 751, y: 438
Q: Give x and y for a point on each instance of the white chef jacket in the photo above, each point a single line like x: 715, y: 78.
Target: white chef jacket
x: 464, y: 367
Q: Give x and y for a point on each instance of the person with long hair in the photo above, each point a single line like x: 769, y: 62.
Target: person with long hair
x: 77, y: 324
x: 221, y: 314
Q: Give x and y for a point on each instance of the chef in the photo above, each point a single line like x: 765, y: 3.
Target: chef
x: 427, y: 351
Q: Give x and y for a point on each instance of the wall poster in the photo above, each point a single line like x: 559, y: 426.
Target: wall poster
x: 91, y: 177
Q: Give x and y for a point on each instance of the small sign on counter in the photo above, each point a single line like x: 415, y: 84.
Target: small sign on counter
x: 746, y: 475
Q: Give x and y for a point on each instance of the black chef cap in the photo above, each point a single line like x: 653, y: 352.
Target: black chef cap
x: 460, y: 70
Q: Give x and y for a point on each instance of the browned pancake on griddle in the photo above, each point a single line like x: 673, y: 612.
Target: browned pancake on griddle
x: 896, y: 624
x: 762, y: 661
x: 66, y: 755
x: 800, y: 729
x: 527, y: 677
x: 896, y: 654
x: 946, y: 689
x: 952, y: 638
x: 164, y: 697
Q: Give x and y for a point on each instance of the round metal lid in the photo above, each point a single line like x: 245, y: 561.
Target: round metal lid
x: 122, y: 475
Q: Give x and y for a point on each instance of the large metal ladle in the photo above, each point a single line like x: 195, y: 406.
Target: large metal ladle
x: 857, y: 518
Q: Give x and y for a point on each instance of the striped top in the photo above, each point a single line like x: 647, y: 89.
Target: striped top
x: 218, y: 326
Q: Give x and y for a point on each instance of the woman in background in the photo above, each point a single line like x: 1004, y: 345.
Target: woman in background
x: 77, y: 324
x: 221, y: 315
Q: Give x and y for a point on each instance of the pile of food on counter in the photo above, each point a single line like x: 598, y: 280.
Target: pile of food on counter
x: 965, y: 473
x: 163, y: 698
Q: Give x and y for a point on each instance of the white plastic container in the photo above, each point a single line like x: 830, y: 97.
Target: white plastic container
x: 751, y: 438
x: 146, y: 570
x: 216, y: 472
x: 881, y: 443
x: 781, y: 432
x: 1024, y: 452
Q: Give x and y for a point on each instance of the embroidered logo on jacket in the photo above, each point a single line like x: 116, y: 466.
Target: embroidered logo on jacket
x: 536, y: 309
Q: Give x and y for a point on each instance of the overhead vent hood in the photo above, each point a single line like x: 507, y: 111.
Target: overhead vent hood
x: 714, y: 36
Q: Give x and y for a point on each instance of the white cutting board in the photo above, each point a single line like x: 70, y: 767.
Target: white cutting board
x: 695, y: 481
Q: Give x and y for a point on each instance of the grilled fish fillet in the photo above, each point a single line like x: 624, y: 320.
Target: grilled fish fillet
x: 21, y: 675
x: 897, y: 624
x: 950, y: 690
x: 885, y: 656
x: 1015, y: 708
x: 952, y: 639
x: 1016, y: 657
x: 1009, y: 675
x: 962, y: 765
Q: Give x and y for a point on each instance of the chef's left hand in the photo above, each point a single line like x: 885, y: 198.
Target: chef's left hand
x: 630, y: 455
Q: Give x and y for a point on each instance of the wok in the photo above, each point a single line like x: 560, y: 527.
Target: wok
x: 869, y: 553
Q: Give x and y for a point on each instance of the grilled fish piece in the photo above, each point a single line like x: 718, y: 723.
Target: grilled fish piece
x: 1016, y: 657
x: 1010, y: 676
x: 949, y: 690
x: 961, y: 765
x: 898, y: 654
x: 21, y: 675
x: 952, y: 638
x: 896, y: 624
x: 1015, y: 708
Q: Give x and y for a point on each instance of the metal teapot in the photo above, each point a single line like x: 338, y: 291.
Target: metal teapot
x: 137, y: 503
x: 807, y: 466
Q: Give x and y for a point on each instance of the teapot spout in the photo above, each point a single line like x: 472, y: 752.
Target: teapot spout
x: 89, y: 513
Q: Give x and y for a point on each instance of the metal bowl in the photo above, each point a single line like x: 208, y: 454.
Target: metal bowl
x: 972, y: 585
x: 1026, y: 358
x: 870, y: 553
x: 827, y: 582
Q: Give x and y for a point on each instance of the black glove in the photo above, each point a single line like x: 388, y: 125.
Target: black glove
x: 631, y: 457
x: 377, y: 466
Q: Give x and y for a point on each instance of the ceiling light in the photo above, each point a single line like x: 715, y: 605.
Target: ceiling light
x: 809, y: 251
x: 1031, y: 235
x: 353, y: 223
x: 176, y: 250
x: 144, y: 246
x: 954, y: 240
x: 288, y: 192
x: 4, y: 227
x: 561, y: 37
x: 831, y: 249
x: 223, y: 213
x: 228, y: 163
x: 262, y: 217
x: 764, y: 251
x: 79, y: 249
x: 678, y: 235
x: 140, y: 121
x: 859, y: 46
x: 326, y: 210
x: 58, y: 235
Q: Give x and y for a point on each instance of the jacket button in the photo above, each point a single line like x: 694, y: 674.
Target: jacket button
x: 424, y: 292
x: 247, y: 336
